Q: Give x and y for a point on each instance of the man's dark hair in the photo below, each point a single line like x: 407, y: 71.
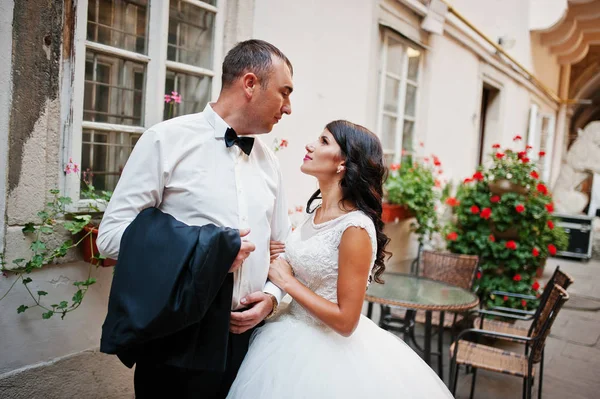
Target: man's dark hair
x: 251, y: 56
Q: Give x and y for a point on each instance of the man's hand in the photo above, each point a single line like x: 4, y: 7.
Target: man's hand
x: 245, y: 250
x: 276, y: 248
x: 260, y: 306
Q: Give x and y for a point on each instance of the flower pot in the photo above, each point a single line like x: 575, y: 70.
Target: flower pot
x: 503, y: 186
x: 90, y: 249
x: 511, y: 233
x: 394, y: 212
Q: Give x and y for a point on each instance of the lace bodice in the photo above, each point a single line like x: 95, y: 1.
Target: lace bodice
x: 312, y: 251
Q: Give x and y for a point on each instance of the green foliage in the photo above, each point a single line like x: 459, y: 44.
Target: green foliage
x: 483, y: 222
x: 414, y: 184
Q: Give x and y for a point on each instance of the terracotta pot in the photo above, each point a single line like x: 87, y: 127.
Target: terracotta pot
x: 90, y: 249
x: 503, y: 186
x: 394, y: 212
x: 511, y: 233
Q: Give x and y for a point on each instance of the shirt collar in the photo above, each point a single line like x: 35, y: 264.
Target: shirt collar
x: 218, y: 124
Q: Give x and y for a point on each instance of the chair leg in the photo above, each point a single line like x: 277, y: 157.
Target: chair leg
x: 473, y: 383
x: 529, y: 387
x: 454, y: 378
x: 541, y: 375
x: 524, y: 387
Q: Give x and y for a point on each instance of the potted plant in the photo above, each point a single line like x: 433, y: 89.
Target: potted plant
x: 503, y: 214
x: 413, y: 189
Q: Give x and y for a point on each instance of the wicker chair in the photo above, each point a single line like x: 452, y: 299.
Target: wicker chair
x: 559, y: 278
x: 478, y: 356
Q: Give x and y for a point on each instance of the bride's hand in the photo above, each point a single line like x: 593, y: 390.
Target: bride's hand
x: 280, y: 272
x: 276, y: 248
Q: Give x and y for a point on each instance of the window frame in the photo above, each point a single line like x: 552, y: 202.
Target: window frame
x: 404, y: 82
x: 156, y: 66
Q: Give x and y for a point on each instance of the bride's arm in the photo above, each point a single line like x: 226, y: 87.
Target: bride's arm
x: 353, y: 271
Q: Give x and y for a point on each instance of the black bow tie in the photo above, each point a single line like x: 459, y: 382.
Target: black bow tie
x: 245, y: 143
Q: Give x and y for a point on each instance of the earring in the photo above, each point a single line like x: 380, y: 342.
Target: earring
x: 339, y: 169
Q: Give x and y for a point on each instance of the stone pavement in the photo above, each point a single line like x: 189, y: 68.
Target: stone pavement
x: 572, y: 366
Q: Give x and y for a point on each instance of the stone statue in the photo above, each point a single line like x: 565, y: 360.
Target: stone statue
x: 583, y: 157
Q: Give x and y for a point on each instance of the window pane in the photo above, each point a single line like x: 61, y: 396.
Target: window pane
x: 114, y: 90
x: 392, y: 89
x: 407, y: 136
x: 414, y: 57
x: 103, y: 156
x: 191, y: 34
x: 194, y: 92
x: 410, y: 101
x: 118, y: 23
x: 388, y: 135
x: 395, y: 51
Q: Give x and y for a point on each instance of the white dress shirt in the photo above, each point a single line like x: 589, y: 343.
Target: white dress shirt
x: 183, y: 167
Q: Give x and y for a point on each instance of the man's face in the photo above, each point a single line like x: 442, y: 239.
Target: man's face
x: 270, y: 103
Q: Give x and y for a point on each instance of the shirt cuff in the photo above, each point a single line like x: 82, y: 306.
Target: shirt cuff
x: 274, y: 290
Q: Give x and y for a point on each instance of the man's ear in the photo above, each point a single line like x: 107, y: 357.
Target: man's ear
x: 249, y: 84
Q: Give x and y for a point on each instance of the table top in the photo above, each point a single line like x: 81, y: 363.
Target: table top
x: 420, y: 293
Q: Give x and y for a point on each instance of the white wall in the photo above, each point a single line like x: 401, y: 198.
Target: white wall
x: 330, y: 45
x: 6, y: 16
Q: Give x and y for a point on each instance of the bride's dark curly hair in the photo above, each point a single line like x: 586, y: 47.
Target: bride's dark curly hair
x: 362, y: 183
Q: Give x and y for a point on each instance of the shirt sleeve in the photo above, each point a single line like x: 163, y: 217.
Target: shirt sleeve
x: 280, y: 229
x: 140, y: 186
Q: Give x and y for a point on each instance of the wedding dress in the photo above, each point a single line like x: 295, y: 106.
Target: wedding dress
x: 295, y: 355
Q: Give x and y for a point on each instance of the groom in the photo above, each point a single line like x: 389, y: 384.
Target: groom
x: 205, y: 168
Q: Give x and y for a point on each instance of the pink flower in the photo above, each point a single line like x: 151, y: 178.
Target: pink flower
x: 299, y: 208
x: 167, y: 98
x: 176, y: 97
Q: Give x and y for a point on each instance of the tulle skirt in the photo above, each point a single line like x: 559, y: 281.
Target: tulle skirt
x: 292, y: 358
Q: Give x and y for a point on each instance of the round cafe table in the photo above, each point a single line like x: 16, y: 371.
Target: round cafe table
x: 421, y: 293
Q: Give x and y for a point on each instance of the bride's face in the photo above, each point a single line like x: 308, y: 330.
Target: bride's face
x: 323, y: 157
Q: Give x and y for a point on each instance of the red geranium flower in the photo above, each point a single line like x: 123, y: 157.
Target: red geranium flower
x: 492, y: 238
x: 524, y: 303
x: 534, y: 174
x: 511, y: 245
x: 495, y: 199
x: 474, y: 209
x: 467, y: 180
x: 496, y: 146
x: 517, y: 277
x: 395, y: 166
x: 542, y: 188
x: 452, y: 201
x: 521, y: 154
x: 551, y: 249
x: 535, y: 252
x: 505, y: 298
x: 550, y: 224
x: 550, y: 207
x: 486, y: 213
x: 520, y: 208
x: 528, y: 147
x: 517, y: 138
x: 478, y: 275
x: 499, y: 155
x: 535, y: 286
x: 478, y: 176
x: 524, y: 159
x: 542, y: 153
x: 452, y: 236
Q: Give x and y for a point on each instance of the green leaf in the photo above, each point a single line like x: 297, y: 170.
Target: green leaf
x: 37, y: 246
x: 22, y: 308
x: 29, y: 228
x: 46, y: 229
x: 43, y: 215
x: 54, y: 191
x: 42, y: 293
x: 78, y: 297
x: 47, y: 315
x: 18, y: 262
x: 27, y: 280
x: 63, y: 305
x: 65, y: 200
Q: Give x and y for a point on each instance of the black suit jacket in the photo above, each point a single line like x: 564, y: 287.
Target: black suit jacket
x: 170, y: 299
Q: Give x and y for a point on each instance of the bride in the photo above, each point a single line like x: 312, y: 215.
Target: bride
x: 321, y: 346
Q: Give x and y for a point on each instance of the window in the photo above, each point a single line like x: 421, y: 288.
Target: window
x: 540, y: 136
x: 398, y: 95
x: 129, y: 46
